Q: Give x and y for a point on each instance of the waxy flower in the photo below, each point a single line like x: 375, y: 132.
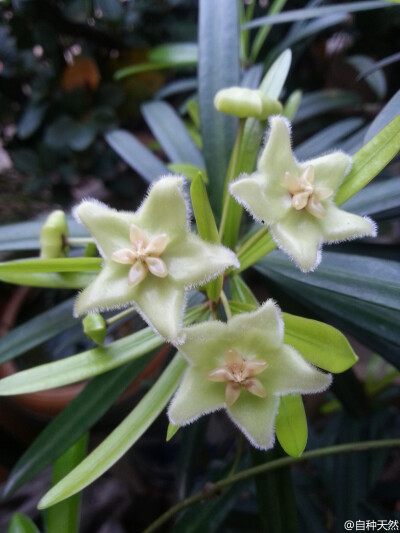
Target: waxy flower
x: 244, y: 367
x: 296, y: 200
x: 150, y: 257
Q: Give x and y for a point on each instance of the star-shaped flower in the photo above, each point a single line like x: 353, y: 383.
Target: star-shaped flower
x: 296, y: 200
x: 244, y: 367
x: 150, y: 257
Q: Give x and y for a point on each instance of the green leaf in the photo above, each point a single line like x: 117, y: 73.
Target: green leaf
x: 21, y: 524
x: 31, y: 119
x: 328, y: 138
x: 241, y: 292
x: 189, y: 171
x: 64, y: 516
x: 171, y: 431
x: 275, y: 494
x: 218, y: 68
x: 320, y: 344
x: 376, y: 198
x: 122, y: 438
x: 77, y: 418
x: 81, y: 366
x: 138, y: 157
x: 376, y: 79
x: 25, y: 235
x: 177, y: 87
x: 291, y: 425
x: 275, y: 78
x: 38, y: 330
x: 313, y: 12
x: 370, y: 160
x: 177, y: 53
x: 388, y: 113
x: 33, y: 266
x: 364, y: 278
x: 207, y: 228
x: 171, y: 133
x: 319, y: 102
x: 260, y: 248
x: 49, y: 280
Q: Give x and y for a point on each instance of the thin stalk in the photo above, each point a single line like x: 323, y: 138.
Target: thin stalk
x: 225, y: 304
x: 216, y: 487
x: 231, y: 174
x: 238, y: 455
x: 120, y: 315
x: 252, y: 240
x: 78, y: 241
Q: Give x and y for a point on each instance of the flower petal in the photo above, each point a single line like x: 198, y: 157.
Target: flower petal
x: 137, y: 234
x: 277, y: 156
x: 266, y: 200
x: 109, y: 227
x: 255, y: 417
x: 137, y: 273
x: 266, y: 321
x: 161, y: 303
x: 125, y: 256
x: 164, y: 209
x: 288, y: 372
x: 232, y: 392
x: 157, y: 267
x: 195, y: 397
x: 254, y: 386
x: 219, y: 375
x: 330, y: 169
x: 299, y: 200
x: 157, y: 245
x: 194, y: 261
x: 299, y: 235
x: 109, y: 290
x: 338, y: 225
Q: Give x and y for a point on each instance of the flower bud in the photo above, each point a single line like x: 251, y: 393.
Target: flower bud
x: 95, y: 328
x: 52, y: 236
x: 244, y: 103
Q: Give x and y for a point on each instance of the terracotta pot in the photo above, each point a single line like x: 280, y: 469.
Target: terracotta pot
x: 48, y: 403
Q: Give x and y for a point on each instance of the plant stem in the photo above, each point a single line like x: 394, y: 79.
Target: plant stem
x: 260, y: 469
x: 225, y: 303
x: 231, y: 174
x: 252, y: 240
x: 120, y: 315
x: 78, y: 241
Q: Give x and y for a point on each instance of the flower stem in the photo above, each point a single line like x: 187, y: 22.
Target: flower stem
x: 231, y: 174
x: 120, y: 315
x: 225, y: 303
x: 272, y: 465
x: 252, y: 240
x: 78, y: 241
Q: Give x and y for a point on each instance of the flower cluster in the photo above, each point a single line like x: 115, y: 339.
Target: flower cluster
x: 151, y: 258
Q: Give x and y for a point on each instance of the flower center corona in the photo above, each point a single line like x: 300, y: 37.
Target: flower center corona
x: 144, y: 256
x: 304, y: 194
x: 238, y: 373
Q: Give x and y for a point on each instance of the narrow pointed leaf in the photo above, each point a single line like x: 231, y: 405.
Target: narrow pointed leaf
x: 70, y: 264
x: 136, y: 155
x: 241, y: 292
x: 50, y: 280
x: 207, y: 228
x: 38, y: 330
x: 77, y: 418
x: 291, y: 425
x: 218, y: 69
x: 171, y: 133
x: 21, y: 524
x: 377, y: 198
x: 370, y: 160
x: 122, y: 438
x: 65, y: 516
x: 319, y: 102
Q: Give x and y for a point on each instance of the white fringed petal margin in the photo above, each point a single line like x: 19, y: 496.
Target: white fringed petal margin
x: 339, y: 225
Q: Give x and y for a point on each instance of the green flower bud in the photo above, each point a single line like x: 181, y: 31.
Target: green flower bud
x: 244, y: 103
x: 95, y: 328
x: 52, y: 236
x: 292, y: 105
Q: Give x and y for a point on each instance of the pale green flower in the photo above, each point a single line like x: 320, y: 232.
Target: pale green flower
x: 150, y: 257
x: 244, y: 367
x: 296, y: 200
